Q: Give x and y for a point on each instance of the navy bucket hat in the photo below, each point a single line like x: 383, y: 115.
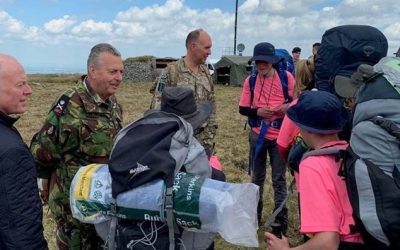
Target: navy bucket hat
x: 265, y: 52
x: 318, y: 112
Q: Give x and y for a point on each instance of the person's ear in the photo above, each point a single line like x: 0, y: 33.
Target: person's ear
x: 193, y: 45
x: 91, y: 69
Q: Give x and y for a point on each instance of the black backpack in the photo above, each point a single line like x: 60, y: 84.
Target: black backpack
x: 343, y: 49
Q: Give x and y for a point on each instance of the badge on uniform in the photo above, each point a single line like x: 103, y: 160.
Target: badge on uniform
x: 61, y: 105
x: 161, y: 82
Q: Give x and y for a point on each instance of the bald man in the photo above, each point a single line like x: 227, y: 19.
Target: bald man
x: 20, y: 206
x: 192, y: 72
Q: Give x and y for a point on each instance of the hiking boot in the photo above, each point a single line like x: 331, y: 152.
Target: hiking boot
x: 282, y: 220
x: 276, y: 229
x: 282, y: 226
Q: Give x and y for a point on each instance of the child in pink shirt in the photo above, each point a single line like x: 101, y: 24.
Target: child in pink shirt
x: 269, y: 105
x: 304, y: 80
x: 326, y: 213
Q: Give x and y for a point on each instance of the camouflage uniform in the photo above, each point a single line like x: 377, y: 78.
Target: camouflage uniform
x: 177, y: 74
x: 79, y: 130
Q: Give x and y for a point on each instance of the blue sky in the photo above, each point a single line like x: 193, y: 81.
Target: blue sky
x: 56, y: 35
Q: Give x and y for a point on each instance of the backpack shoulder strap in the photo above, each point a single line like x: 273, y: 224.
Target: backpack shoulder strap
x: 323, y: 151
x: 252, y: 84
x: 284, y: 81
x: 388, y: 125
x: 173, y: 73
x: 111, y: 244
x: 170, y: 218
x: 205, y: 69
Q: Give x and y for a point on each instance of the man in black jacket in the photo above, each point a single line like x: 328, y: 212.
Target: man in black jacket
x: 20, y: 205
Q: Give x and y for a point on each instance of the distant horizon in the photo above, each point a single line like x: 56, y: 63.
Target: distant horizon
x: 54, y: 70
x: 35, y: 69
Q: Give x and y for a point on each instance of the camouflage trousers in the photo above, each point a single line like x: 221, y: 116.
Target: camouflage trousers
x: 77, y: 236
x: 206, y: 135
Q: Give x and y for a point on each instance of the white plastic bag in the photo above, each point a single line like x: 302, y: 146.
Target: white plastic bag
x: 200, y: 205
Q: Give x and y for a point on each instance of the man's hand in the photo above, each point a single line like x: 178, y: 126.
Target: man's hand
x: 43, y: 185
x: 265, y: 112
x: 274, y: 242
x: 280, y: 110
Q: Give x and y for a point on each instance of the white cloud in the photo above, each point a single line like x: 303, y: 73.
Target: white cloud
x: 59, y: 25
x: 10, y: 24
x: 129, y: 29
x: 157, y: 23
x: 393, y: 31
x: 168, y: 10
x: 14, y: 29
x: 90, y: 28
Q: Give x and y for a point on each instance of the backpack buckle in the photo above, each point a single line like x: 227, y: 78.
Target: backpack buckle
x: 276, y: 123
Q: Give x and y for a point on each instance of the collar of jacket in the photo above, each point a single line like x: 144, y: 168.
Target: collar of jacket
x: 91, y: 100
x: 7, y: 120
x: 184, y: 68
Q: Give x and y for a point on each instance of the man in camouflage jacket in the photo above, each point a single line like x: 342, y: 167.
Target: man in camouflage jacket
x: 79, y: 129
x: 192, y: 72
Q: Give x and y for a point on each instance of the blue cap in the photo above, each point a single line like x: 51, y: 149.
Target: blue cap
x: 318, y: 112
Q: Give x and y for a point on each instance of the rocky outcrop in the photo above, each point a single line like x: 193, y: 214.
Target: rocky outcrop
x: 140, y: 69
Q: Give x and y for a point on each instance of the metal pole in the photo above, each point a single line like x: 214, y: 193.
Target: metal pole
x: 234, y: 41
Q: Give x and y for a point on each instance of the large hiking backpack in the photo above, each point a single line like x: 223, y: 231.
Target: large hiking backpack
x: 161, y: 143
x: 371, y: 164
x: 343, y: 49
x: 287, y: 62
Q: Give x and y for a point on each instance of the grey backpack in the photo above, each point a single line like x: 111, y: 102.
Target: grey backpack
x: 371, y: 164
x: 155, y: 147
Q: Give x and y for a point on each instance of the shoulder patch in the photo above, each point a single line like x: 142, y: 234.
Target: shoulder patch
x: 61, y: 105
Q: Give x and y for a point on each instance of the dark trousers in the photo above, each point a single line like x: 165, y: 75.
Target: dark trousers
x: 258, y: 171
x: 78, y: 236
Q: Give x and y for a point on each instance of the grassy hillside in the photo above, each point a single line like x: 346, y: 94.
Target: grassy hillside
x: 231, y: 141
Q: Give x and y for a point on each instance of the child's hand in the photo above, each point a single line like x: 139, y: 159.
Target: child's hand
x: 265, y: 112
x: 274, y: 243
x: 280, y: 110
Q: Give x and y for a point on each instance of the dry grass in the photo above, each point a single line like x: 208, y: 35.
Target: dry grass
x: 231, y: 141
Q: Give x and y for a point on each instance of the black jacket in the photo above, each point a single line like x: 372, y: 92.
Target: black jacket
x: 20, y: 205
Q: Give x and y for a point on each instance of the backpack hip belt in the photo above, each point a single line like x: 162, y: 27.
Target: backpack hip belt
x: 277, y: 123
